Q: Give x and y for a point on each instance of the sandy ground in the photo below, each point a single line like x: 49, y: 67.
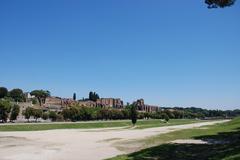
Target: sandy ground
x: 75, y: 144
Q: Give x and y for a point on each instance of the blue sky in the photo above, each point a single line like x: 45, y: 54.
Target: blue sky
x: 171, y: 53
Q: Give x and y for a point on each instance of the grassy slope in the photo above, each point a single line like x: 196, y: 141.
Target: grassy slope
x: 94, y: 124
x: 227, y: 134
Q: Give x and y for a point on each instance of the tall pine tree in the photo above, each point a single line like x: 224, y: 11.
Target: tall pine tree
x: 74, y: 96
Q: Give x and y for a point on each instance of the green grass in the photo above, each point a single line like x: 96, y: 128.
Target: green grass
x: 93, y: 124
x: 226, y: 147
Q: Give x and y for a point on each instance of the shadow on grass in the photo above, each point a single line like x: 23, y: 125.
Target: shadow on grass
x: 221, y: 146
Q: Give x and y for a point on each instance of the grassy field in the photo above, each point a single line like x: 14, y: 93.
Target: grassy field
x: 224, y: 144
x: 93, y: 124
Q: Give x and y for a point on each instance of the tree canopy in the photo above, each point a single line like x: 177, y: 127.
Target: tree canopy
x: 53, y: 115
x: 28, y: 113
x: 74, y: 96
x: 41, y: 95
x: 219, y: 3
x: 5, y: 108
x: 93, y: 96
x: 3, y: 92
x: 32, y: 112
x: 14, y: 112
x: 17, y: 95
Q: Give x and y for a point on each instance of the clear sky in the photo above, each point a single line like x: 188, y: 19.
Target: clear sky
x: 171, y: 53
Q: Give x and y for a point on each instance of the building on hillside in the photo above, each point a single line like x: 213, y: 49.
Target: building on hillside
x: 87, y: 103
x: 53, y: 104
x: 57, y: 103
x: 68, y: 102
x: 53, y: 101
x: 28, y: 96
x: 144, y: 107
x: 110, y: 102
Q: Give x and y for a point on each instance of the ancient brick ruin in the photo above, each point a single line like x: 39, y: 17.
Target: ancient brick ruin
x: 144, y: 107
x: 57, y: 104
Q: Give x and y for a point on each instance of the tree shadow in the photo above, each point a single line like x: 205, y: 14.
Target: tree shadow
x: 222, y: 145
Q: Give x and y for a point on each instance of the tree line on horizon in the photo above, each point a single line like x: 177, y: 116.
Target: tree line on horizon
x: 10, y: 110
x: 79, y: 113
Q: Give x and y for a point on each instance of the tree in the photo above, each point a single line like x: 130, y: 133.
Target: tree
x: 71, y: 113
x: 41, y: 95
x: 53, y: 115
x: 66, y: 114
x: 14, y: 112
x: 3, y: 92
x: 45, y: 116
x: 85, y: 113
x: 28, y: 113
x: 166, y: 117
x: 17, y: 95
x: 126, y: 113
x: 146, y: 115
x: 90, y: 95
x: 74, y: 96
x: 59, y: 118
x: 169, y: 113
x: 37, y: 113
x: 133, y: 114
x: 219, y: 3
x: 96, y: 96
x: 103, y: 114
x: 5, y: 108
x: 74, y: 114
x: 34, y: 101
x: 93, y: 96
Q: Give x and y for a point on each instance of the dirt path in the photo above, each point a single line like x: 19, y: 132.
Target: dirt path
x: 75, y: 144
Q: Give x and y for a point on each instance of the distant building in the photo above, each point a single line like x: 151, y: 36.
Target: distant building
x: 87, y: 103
x: 53, y: 104
x: 144, y: 107
x: 68, y: 102
x: 110, y: 102
x: 53, y: 101
x: 28, y: 96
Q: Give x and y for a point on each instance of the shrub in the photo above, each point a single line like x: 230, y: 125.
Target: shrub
x: 14, y: 112
x: 53, y: 115
x: 45, y: 116
x: 5, y: 108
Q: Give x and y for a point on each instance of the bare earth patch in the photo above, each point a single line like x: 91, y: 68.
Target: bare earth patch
x: 75, y: 144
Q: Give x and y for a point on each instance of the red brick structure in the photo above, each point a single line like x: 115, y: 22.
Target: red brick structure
x: 144, y: 107
x: 87, y: 103
x: 57, y: 103
x: 110, y: 102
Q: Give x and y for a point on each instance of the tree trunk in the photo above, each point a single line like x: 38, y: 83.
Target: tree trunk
x: 40, y: 101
